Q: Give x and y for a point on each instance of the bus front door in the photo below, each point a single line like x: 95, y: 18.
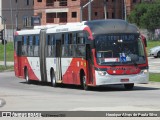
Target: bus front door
x: 58, y: 61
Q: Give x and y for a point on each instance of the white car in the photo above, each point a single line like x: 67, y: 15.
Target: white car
x: 155, y: 52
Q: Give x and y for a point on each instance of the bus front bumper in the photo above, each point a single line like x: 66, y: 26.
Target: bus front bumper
x: 141, y: 78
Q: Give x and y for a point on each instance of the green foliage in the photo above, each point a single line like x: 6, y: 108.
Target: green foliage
x: 154, y: 77
x: 151, y: 44
x: 146, y: 15
x: 8, y: 68
x: 9, y: 51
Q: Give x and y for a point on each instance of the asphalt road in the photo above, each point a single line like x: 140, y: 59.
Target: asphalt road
x: 19, y: 96
x: 39, y: 97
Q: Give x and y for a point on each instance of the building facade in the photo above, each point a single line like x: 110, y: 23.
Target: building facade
x: 17, y: 14
x: 130, y: 5
x: 62, y: 11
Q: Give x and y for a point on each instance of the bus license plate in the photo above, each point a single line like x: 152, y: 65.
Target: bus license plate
x: 125, y: 80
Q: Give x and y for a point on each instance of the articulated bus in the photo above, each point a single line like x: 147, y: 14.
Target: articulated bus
x: 90, y: 53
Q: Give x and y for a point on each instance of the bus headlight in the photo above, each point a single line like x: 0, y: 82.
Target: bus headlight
x: 102, y: 73
x: 144, y: 71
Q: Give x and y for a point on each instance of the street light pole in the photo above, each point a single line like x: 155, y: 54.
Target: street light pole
x: 4, y: 27
x: 89, y: 11
x: 105, y: 9
x: 125, y: 11
x: 81, y: 10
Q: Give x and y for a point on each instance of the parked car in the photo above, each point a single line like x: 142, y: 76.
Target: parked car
x: 155, y: 52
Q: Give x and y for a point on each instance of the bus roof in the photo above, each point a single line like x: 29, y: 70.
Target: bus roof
x: 96, y: 26
x: 111, y: 26
x: 69, y: 27
x: 28, y: 32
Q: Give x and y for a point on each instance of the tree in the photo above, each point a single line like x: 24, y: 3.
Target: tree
x: 151, y: 19
x: 138, y: 11
x: 146, y: 15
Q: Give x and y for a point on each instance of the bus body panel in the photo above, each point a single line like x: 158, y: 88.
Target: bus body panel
x: 35, y: 67
x: 50, y: 64
x: 121, y: 79
x: 68, y: 69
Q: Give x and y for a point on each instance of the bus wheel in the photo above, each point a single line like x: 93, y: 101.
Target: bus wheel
x: 129, y: 86
x: 85, y: 87
x: 27, y: 76
x: 53, y: 79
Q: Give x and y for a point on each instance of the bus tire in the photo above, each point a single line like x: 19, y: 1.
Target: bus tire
x: 129, y: 86
x: 28, y: 81
x: 53, y: 79
x: 85, y: 87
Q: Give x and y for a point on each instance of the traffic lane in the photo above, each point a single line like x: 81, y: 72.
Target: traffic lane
x: 21, y: 96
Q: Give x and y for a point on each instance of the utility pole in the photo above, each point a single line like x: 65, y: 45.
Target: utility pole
x: 81, y: 10
x: 16, y: 15
x: 11, y: 16
x: 105, y: 9
x: 3, y: 39
x: 89, y: 11
x: 125, y: 11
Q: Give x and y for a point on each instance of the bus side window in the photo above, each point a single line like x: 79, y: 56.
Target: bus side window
x: 80, y: 38
x: 65, y: 45
x: 36, y: 48
x: 34, y: 42
x: 48, y: 45
x: 70, y: 38
x: 18, y: 45
x: 30, y: 46
x: 80, y: 49
x: 53, y: 46
x: 24, y: 45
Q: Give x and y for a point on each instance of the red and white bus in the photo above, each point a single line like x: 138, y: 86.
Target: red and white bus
x: 90, y: 53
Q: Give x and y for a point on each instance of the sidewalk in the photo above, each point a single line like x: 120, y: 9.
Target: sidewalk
x: 7, y: 63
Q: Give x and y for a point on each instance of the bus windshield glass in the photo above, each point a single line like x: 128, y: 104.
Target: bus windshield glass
x: 118, y: 49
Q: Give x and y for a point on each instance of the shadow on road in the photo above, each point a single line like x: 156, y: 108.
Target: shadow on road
x: 107, y: 88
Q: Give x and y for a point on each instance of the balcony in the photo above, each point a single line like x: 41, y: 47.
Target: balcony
x: 50, y: 2
x: 56, y: 17
x: 62, y: 2
x: 56, y: 3
x: 62, y: 20
x: 50, y: 20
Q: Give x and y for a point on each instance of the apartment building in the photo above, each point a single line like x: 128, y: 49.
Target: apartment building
x: 130, y: 5
x: 62, y: 11
x: 17, y: 13
x: 22, y: 13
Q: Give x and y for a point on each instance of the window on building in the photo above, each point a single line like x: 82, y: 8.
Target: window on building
x: 113, y: 15
x: 74, y: 14
x: 96, y: 13
x: 39, y: 0
x: 27, y: 2
x: 134, y: 1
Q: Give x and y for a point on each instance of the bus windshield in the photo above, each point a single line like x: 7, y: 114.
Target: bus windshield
x: 119, y: 49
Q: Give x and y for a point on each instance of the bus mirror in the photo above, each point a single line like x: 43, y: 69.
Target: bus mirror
x: 144, y: 41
